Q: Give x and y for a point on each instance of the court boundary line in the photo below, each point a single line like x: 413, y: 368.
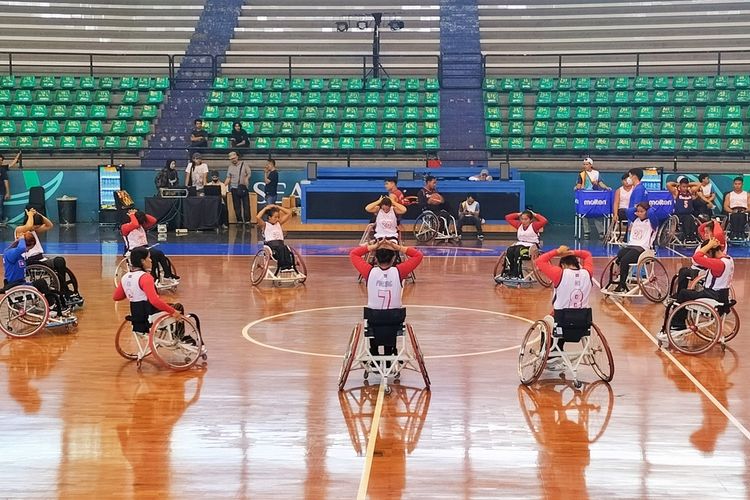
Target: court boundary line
x: 364, y: 480
x: 743, y: 430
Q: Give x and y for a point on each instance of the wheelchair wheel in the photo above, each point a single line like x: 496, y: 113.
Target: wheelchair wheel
x: 175, y: 342
x: 702, y: 328
x: 367, y: 235
x: 36, y: 272
x: 426, y: 227
x: 351, y: 351
x: 601, y: 356
x: 299, y: 263
x: 731, y: 325
x: 534, y: 352
x: 666, y: 234
x: 259, y: 267
x: 499, y: 265
x: 610, y: 274
x: 122, y: 268
x: 23, y: 312
x: 540, y: 276
x: 125, y: 343
x: 653, y: 279
x: 419, y: 356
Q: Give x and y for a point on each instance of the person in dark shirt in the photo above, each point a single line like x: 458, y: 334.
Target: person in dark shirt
x: 239, y: 137
x: 271, y: 176
x: 198, y: 137
x: 168, y: 177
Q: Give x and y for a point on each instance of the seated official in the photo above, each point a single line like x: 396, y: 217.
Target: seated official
x: 468, y: 213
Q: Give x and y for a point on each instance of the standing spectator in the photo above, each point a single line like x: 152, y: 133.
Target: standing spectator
x: 271, y: 178
x: 588, y: 179
x: 224, y: 215
x: 239, y: 138
x: 238, y: 177
x: 484, y: 175
x: 196, y: 173
x: 622, y: 200
x: 468, y: 213
x: 5, y: 186
x: 704, y: 203
x: 198, y: 137
x: 638, y: 194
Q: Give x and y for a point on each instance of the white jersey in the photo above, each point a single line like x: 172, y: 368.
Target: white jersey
x: 384, y: 288
x: 641, y: 234
x: 386, y: 224
x: 36, y: 249
x: 725, y: 280
x: 706, y: 189
x: 137, y: 238
x: 527, y: 237
x: 624, y: 197
x: 470, y: 207
x: 132, y: 288
x: 272, y: 232
x: 738, y: 200
x: 574, y: 290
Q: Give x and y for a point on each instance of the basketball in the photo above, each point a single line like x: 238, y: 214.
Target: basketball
x: 436, y: 199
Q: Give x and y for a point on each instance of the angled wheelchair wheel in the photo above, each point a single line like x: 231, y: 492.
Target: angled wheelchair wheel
x: 601, y: 356
x: 419, y: 356
x: 175, y: 342
x: 426, y: 227
x: 540, y: 276
x: 36, y: 272
x: 653, y: 279
x: 534, y: 352
x: 23, y: 312
x: 125, y: 343
x: 499, y: 265
x: 259, y: 267
x: 731, y: 325
x: 702, y: 328
x: 351, y: 351
x: 667, y: 232
x: 610, y: 274
x: 368, y: 234
x: 299, y: 263
x: 122, y: 268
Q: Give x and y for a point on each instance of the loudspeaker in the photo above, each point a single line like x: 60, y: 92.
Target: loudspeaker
x: 504, y: 171
x: 312, y: 170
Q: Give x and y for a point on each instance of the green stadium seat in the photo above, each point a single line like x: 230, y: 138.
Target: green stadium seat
x: 488, y: 84
x: 347, y: 142
x: 221, y: 83
x: 494, y: 113
x: 126, y: 83
x: 603, y: 113
x: 689, y: 113
x: 741, y: 81
x: 356, y: 84
x: 681, y: 97
x: 526, y: 84
x: 102, y: 97
x: 327, y: 143
x: 559, y: 143
x: 645, y: 144
x: 68, y: 142
x: 732, y: 112
x: 393, y: 84
x: 23, y: 96
x: 666, y: 113
x: 142, y: 127
x: 711, y: 129
x: 515, y: 98
x: 67, y: 82
x: 735, y: 129
x: 712, y: 145
x: 278, y: 84
x: 680, y: 82
x: 4, y: 142
x: 95, y: 127
x: 106, y: 83
x: 392, y: 98
x: 271, y: 113
x: 561, y: 113
x: 288, y: 128
x: 29, y: 127
x: 645, y: 129
x: 546, y: 84
x: 582, y: 98
x: 211, y: 112
x: 220, y: 142
x: 621, y: 97
x: 431, y: 129
x: 583, y: 83
x: 371, y: 113
x: 624, y: 128
x: 369, y: 128
x: 47, y: 142
x: 603, y: 129
x: 736, y: 145
x: 640, y: 83
x: 118, y: 127
x: 583, y: 113
x: 603, y: 83
x: 581, y: 143
x: 7, y: 82
x: 350, y: 128
x: 316, y: 84
x: 388, y: 143
x: 689, y: 144
x: 253, y: 113
x: 90, y: 142
x: 266, y: 128
x: 367, y: 143
x: 689, y: 129
x: 742, y: 96
x: 112, y: 142
x: 667, y: 144
x: 560, y: 129
x: 331, y: 113
x: 79, y: 111
x: 84, y: 97
x: 353, y: 98
x: 294, y: 97
x: 46, y: 82
x: 292, y: 113
x: 645, y: 113
x: 544, y: 98
x: 539, y: 143
x: 232, y: 112
x: 39, y: 111
x: 543, y: 113
x: 336, y: 84
x: 431, y: 113
x: 660, y: 82
x: 253, y: 97
x: 508, y: 84
x: 712, y: 113
x: 58, y: 111
x: 274, y: 98
x: 493, y: 128
x: 19, y: 111
x: 24, y: 142
x: 640, y: 97
x: 390, y: 113
x: 372, y: 98
x: 249, y: 127
x: 157, y: 97
x: 304, y: 143
x: 51, y: 127
x: 515, y: 128
x: 701, y: 97
x: 516, y: 143
x: 430, y: 99
x: 722, y: 97
x: 661, y: 97
x: 374, y: 84
x: 73, y: 127
x: 563, y: 97
x: 130, y: 97
x: 582, y: 128
x: 624, y: 144
x: 494, y: 143
x: 333, y: 98
x: 602, y: 143
x: 259, y: 83
x: 42, y: 96
x: 7, y: 127
x: 624, y: 113
x: 234, y: 97
x: 262, y: 143
x: 721, y: 82
x: 240, y: 83
x: 297, y: 84
x: 564, y: 84
x: 409, y: 143
x: 390, y: 128
x: 124, y: 111
x: 601, y: 98
x: 308, y: 128
x: 622, y: 83
x: 144, y: 83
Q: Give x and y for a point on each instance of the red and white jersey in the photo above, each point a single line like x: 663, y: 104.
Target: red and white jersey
x: 132, y: 288
x: 36, y: 249
x: 386, y: 224
x: 137, y: 238
x: 527, y: 237
x: 384, y: 288
x: 272, y: 232
x: 574, y: 290
x: 641, y: 234
x: 725, y: 280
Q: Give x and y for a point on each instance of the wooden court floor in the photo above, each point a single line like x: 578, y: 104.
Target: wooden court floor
x: 265, y: 419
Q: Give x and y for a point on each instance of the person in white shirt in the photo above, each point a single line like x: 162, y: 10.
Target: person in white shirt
x: 589, y: 179
x: 273, y: 234
x: 622, y: 200
x: 735, y: 206
x: 484, y: 175
x: 468, y: 213
x: 643, y: 225
x: 704, y: 203
x: 196, y: 173
x: 386, y: 218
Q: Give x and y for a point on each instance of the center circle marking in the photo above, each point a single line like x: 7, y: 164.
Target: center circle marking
x: 248, y: 336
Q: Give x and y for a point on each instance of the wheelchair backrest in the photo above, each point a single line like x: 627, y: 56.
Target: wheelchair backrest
x: 575, y: 323
x: 385, y: 317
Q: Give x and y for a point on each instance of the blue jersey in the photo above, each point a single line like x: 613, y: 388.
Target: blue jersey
x: 14, y: 263
x: 637, y: 195
x: 683, y: 204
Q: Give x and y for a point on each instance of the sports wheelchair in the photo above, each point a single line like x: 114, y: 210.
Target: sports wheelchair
x: 616, y: 232
x: 572, y: 326
x: 707, y: 322
x: 531, y: 273
x: 734, y: 238
x: 45, y: 273
x: 24, y: 311
x: 176, y: 343
x: 368, y: 236
x: 431, y: 226
x: 384, y: 326
x: 646, y: 278
x: 266, y: 267
x: 162, y: 284
x: 669, y: 233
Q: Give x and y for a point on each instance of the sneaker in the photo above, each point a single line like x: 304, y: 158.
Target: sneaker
x: 620, y: 289
x: 662, y: 336
x: 555, y: 364
x: 168, y: 282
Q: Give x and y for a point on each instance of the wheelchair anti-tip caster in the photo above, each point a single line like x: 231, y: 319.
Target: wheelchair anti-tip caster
x: 388, y: 390
x: 577, y: 384
x: 366, y: 374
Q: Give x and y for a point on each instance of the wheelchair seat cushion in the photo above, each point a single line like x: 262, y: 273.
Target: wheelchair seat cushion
x: 575, y: 323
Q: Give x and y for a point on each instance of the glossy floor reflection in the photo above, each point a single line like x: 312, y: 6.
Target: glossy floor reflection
x: 264, y: 419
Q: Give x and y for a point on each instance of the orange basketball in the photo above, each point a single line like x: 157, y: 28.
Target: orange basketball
x: 436, y: 199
